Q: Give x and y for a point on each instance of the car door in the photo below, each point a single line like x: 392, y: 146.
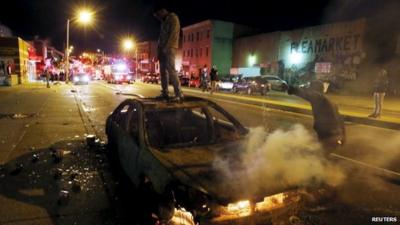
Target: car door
x: 274, y: 82
x: 129, y: 141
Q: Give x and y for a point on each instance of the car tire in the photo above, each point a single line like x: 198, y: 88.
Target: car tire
x: 284, y: 87
x: 163, y: 205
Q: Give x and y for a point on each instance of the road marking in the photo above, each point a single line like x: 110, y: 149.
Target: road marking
x: 365, y: 164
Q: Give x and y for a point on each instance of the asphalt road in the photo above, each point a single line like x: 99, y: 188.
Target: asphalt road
x: 370, y: 156
x: 369, y: 161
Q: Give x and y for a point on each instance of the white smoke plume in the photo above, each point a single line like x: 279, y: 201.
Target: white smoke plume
x: 282, y: 158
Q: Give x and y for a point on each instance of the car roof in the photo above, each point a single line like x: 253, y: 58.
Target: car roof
x: 156, y: 104
x: 271, y: 76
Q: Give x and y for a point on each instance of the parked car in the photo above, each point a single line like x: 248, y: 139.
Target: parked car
x: 276, y: 83
x: 169, y: 149
x: 252, y: 85
x: 194, y: 82
x: 226, y: 83
x: 184, y: 80
x: 151, y: 78
x: 81, y: 78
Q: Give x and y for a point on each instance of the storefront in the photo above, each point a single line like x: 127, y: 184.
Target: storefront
x: 294, y: 53
x: 14, y: 61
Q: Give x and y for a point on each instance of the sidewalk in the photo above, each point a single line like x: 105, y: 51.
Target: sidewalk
x: 353, y: 108
x: 37, y: 122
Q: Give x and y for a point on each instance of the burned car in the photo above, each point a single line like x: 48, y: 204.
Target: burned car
x: 170, y: 148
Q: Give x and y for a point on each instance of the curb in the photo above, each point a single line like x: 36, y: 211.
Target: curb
x: 296, y: 108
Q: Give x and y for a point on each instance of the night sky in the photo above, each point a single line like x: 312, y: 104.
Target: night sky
x: 117, y: 18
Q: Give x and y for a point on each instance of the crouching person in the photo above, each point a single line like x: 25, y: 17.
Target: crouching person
x: 328, y: 124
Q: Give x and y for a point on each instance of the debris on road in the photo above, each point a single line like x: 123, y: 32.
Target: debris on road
x: 57, y: 155
x: 76, y: 185
x: 91, y: 140
x: 19, y: 116
x: 73, y: 91
x: 58, y: 174
x: 63, y: 197
x: 35, y: 158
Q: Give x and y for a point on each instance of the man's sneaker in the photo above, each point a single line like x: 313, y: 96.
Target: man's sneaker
x: 179, y: 99
x: 163, y: 96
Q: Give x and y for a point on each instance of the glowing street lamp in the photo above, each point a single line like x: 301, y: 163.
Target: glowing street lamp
x: 85, y: 17
x: 128, y: 45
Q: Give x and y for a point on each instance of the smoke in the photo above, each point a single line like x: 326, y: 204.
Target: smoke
x: 282, y: 158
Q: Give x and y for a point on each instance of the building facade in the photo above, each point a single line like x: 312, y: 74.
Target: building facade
x: 147, y: 55
x: 14, y: 61
x: 5, y: 31
x: 347, y: 53
x: 207, y: 43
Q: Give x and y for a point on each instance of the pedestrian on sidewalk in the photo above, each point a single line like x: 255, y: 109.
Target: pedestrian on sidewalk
x: 213, y: 78
x: 47, y: 74
x: 204, y: 78
x: 380, y: 86
x: 328, y: 124
x: 167, y: 47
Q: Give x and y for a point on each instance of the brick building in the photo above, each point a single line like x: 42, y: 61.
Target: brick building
x: 209, y: 43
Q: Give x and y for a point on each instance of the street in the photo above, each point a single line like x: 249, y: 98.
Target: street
x: 38, y: 125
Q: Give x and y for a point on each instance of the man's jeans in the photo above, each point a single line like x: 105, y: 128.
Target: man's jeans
x: 168, y: 72
x: 378, y: 99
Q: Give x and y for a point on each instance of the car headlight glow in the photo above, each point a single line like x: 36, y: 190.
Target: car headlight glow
x: 118, y: 77
x: 128, y: 77
x: 121, y: 67
x: 85, y: 78
x: 76, y: 79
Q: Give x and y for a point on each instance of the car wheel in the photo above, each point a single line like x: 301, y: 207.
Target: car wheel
x: 284, y: 87
x: 163, y: 205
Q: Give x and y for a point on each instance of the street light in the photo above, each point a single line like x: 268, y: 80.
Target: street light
x: 128, y: 44
x: 84, y: 16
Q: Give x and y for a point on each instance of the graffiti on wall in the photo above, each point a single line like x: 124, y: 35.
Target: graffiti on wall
x: 327, y: 45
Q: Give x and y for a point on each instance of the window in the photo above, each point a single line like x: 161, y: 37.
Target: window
x: 197, y: 36
x: 192, y: 37
x: 201, y: 52
x: 208, y: 33
x: 197, y: 52
x: 133, y: 125
x: 177, y: 127
x: 191, y: 52
x: 207, y: 51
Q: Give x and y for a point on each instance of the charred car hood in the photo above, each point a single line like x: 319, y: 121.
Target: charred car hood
x: 216, y: 170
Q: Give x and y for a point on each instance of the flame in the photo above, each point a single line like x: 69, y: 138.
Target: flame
x: 246, y: 208
x: 183, y: 217
x: 241, y: 208
x: 270, y: 202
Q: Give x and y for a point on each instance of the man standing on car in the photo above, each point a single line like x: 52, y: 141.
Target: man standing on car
x: 167, y: 47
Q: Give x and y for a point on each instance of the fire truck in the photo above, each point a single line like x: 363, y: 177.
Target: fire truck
x: 119, y: 73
